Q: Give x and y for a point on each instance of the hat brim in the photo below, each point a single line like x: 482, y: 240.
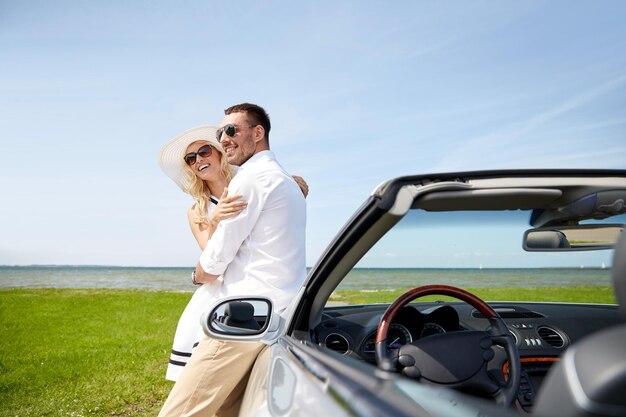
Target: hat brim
x: 171, y: 157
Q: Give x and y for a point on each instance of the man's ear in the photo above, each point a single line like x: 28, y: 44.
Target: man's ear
x: 259, y: 133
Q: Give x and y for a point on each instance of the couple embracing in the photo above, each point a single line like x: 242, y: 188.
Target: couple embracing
x: 249, y: 219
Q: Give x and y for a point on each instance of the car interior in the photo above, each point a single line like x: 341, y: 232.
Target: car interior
x: 542, y: 332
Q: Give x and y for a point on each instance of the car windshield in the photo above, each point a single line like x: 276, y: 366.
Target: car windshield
x: 480, y: 251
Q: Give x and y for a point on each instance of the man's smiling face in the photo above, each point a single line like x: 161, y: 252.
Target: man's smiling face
x: 242, y: 145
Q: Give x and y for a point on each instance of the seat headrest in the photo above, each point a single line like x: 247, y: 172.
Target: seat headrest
x: 241, y: 314
x: 619, y: 274
x: 240, y: 311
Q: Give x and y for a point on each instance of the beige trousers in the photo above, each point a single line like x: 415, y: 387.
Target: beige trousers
x: 213, y: 381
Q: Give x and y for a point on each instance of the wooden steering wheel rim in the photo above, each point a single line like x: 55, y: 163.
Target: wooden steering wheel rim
x: 458, y: 293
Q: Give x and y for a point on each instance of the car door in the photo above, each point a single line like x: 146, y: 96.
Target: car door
x: 291, y: 378
x: 282, y: 384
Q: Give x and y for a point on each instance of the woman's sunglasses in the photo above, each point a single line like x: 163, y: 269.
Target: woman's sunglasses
x: 230, y: 130
x: 204, y: 151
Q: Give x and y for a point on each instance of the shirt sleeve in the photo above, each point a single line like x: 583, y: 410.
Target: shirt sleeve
x: 231, y: 233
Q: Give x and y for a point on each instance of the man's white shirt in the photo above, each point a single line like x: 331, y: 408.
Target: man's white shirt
x: 261, y: 251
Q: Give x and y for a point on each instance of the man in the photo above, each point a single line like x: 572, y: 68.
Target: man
x: 261, y: 251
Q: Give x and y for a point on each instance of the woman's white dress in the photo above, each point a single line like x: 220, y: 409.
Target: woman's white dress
x: 189, y: 330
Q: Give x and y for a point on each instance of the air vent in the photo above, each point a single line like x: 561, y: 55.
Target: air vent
x: 551, y: 337
x: 337, y: 342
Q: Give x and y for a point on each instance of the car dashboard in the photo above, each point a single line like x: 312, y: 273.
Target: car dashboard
x: 542, y: 331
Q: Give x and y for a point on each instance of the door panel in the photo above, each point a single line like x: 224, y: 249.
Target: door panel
x: 281, y: 385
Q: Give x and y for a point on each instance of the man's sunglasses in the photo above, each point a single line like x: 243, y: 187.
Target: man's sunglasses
x: 204, y: 151
x: 230, y: 130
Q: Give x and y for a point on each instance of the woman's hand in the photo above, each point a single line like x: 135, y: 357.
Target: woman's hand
x: 227, y: 207
x: 302, y: 184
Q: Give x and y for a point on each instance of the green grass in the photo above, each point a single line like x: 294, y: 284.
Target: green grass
x: 85, y: 352
x: 581, y: 294
x: 104, y: 352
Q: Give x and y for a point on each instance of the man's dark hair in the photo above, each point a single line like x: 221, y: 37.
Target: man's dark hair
x: 257, y: 115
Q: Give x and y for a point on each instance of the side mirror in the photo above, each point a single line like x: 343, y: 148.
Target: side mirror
x: 572, y: 238
x: 238, y: 319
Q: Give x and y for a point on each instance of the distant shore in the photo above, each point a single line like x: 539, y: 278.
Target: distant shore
x: 607, y: 268
x: 178, y: 278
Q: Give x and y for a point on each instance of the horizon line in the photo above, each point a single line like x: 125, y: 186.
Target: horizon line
x: 601, y: 267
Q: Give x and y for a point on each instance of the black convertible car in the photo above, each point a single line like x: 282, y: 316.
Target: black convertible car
x: 458, y: 294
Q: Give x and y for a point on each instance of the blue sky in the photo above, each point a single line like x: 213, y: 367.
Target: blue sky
x: 358, y: 92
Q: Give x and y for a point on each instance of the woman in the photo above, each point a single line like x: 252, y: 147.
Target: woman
x: 197, y: 164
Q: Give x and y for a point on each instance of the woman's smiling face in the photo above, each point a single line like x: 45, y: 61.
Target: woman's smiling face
x: 207, y: 167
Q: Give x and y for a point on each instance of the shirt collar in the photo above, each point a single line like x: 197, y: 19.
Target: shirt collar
x: 259, y: 156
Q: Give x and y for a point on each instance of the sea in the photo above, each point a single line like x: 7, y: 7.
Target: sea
x: 368, y: 279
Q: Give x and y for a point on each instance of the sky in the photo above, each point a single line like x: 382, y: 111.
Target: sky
x: 358, y: 92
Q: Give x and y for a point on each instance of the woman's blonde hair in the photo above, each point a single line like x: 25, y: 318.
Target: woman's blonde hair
x: 201, y: 192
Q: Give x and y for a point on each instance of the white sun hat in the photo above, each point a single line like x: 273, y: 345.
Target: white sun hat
x: 171, y: 158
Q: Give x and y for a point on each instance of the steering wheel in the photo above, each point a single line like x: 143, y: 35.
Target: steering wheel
x: 455, y: 359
